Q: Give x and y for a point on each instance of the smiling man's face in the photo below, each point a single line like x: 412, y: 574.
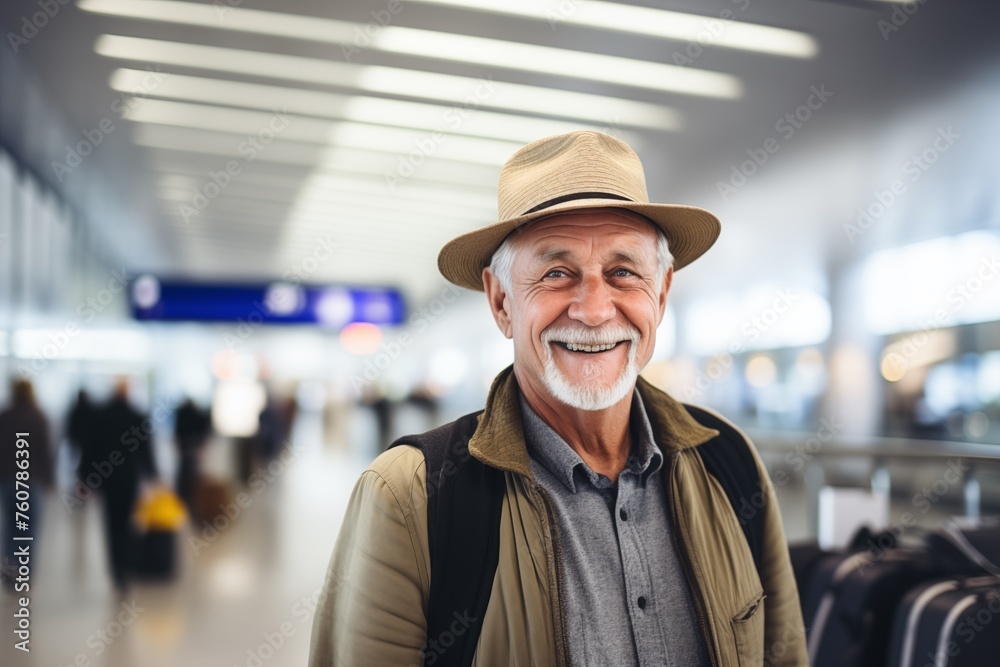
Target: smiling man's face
x: 587, y: 294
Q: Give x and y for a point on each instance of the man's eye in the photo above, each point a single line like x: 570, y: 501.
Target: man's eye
x: 622, y: 273
x: 555, y: 273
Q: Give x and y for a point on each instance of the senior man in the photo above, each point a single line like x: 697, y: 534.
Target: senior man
x: 584, y: 517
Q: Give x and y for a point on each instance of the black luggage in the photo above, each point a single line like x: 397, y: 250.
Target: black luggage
x: 853, y: 620
x: 950, y: 622
x: 815, y: 569
x: 805, y: 556
x: 156, y: 555
x: 159, y: 515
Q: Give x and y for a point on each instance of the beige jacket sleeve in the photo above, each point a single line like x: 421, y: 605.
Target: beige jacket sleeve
x: 371, y: 610
x: 784, y: 631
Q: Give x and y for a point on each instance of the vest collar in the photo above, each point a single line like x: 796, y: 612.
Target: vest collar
x: 499, y: 438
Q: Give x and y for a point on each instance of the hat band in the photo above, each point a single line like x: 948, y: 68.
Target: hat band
x: 572, y: 196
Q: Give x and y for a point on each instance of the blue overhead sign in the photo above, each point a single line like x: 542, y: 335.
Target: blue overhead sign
x: 153, y: 299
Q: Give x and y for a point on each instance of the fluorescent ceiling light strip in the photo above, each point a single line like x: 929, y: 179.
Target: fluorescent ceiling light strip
x: 241, y: 190
x: 348, y: 245
x: 444, y: 88
x: 519, y: 98
x: 226, y: 17
x: 660, y: 23
x: 391, y: 219
x: 363, y: 228
x: 343, y: 159
x: 326, y: 181
x: 227, y: 121
x: 414, y: 207
x: 292, y: 211
x: 392, y: 140
x: 291, y: 254
x: 313, y: 234
x: 454, y: 193
x: 183, y: 191
x: 191, y: 140
x: 359, y: 108
x: 289, y: 215
x: 308, y: 208
x: 419, y: 43
x: 643, y: 74
x: 440, y: 202
x: 421, y: 145
x: 310, y: 237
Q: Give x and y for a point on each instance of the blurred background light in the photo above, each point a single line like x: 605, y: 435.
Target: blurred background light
x: 761, y: 371
x: 940, y: 282
x: 361, y: 338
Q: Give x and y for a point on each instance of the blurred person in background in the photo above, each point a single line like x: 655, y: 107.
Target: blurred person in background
x: 422, y: 397
x: 81, y: 429
x: 288, y: 411
x: 584, y: 517
x: 271, y: 428
x: 81, y: 422
x: 22, y: 415
x: 192, y: 427
x: 119, y: 460
x: 261, y: 447
x: 383, y: 409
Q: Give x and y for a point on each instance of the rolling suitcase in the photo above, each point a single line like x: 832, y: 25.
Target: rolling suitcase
x: 950, y: 622
x: 156, y: 555
x: 815, y: 569
x: 852, y: 622
x: 805, y: 557
x: 212, y: 496
x: 159, y: 515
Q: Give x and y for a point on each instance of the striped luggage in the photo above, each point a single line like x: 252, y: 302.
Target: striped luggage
x: 852, y: 622
x: 948, y: 623
x: 954, y: 622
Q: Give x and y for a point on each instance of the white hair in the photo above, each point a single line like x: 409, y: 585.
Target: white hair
x: 590, y: 395
x: 502, y: 262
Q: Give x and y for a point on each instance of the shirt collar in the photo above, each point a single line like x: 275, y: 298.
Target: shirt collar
x: 499, y: 438
x: 555, y: 455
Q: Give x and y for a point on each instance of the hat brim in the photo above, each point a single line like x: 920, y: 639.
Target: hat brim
x: 690, y: 231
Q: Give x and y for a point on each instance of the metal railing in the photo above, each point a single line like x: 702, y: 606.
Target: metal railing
x: 881, y: 450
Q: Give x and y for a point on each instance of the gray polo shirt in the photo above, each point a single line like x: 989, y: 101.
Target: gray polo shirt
x: 625, y: 595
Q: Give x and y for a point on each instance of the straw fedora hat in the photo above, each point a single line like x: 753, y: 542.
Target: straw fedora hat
x: 569, y: 172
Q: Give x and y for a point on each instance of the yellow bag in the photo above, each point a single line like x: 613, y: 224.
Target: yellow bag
x: 160, y: 509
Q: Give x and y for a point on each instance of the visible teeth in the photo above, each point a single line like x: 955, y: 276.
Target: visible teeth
x: 578, y: 347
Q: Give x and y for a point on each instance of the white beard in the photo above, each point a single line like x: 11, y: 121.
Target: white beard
x: 581, y: 395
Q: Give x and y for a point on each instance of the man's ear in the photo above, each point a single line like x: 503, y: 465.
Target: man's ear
x: 668, y: 279
x: 499, y: 304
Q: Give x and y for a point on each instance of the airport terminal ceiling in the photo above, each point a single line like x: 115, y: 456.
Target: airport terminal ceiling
x: 866, y: 72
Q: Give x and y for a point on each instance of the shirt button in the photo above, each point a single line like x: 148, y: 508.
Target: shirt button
x: 623, y: 514
x: 642, y: 602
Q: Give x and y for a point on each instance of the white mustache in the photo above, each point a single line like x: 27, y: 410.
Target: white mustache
x: 607, y: 335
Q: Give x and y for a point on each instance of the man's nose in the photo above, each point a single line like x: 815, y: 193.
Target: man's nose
x: 593, y: 304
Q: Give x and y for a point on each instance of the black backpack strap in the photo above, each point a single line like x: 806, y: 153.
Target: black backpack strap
x: 728, y: 458
x: 464, y: 499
